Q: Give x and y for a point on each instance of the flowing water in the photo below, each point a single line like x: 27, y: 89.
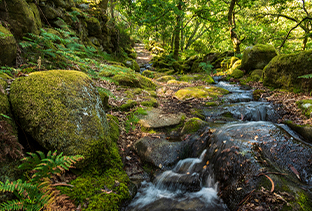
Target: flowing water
x: 190, y: 185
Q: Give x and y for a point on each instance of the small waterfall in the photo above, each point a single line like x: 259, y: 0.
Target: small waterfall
x: 181, y: 184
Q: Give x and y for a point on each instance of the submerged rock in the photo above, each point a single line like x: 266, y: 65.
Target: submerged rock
x: 62, y: 110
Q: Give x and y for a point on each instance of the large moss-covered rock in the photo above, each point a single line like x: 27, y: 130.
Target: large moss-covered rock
x: 20, y: 16
x: 7, y: 46
x: 283, y: 71
x: 10, y: 149
x: 134, y: 80
x: 93, y: 26
x: 62, y: 110
x: 257, y: 57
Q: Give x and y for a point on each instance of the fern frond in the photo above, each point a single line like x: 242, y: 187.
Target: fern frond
x: 306, y: 76
x: 11, y: 205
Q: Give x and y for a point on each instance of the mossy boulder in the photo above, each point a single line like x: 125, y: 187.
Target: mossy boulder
x: 237, y: 73
x: 151, y: 102
x: 114, y: 131
x: 283, y: 71
x: 175, y: 82
x: 306, y: 107
x: 304, y: 130
x: 134, y: 80
x: 152, y: 74
x: 20, y: 16
x: 62, y: 110
x: 200, y: 92
x: 128, y: 105
x: 7, y: 46
x: 104, y: 96
x: 10, y: 149
x: 93, y: 26
x: 256, y: 75
x: 193, y: 125
x: 131, y: 63
x: 165, y: 78
x: 188, y: 78
x: 257, y: 57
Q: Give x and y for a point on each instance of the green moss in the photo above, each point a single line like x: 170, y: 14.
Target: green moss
x: 237, y: 64
x: 188, y: 78
x: 104, y: 96
x: 165, y: 78
x: 100, y: 192
x: 200, y: 92
x: 5, y: 76
x: 256, y: 75
x: 175, y: 82
x: 150, y: 103
x: 211, y: 104
x: 61, y: 110
x: 233, y: 60
x: 257, y: 57
x: 306, y: 107
x: 304, y: 201
x: 198, y: 113
x: 131, y: 93
x: 128, y: 105
x: 237, y: 73
x: 152, y: 74
x: 113, y: 127
x: 8, y: 47
x: 193, y: 125
x: 134, y: 80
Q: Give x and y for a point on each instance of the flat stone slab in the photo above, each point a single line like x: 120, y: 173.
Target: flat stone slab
x: 157, y: 118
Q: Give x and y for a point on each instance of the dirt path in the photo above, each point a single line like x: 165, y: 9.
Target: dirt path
x: 144, y: 56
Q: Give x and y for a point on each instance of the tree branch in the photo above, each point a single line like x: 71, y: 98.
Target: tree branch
x: 303, y: 6
x: 306, y: 18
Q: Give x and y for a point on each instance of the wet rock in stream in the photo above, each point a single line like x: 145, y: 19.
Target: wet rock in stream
x: 246, y: 111
x: 238, y: 153
x: 157, y: 150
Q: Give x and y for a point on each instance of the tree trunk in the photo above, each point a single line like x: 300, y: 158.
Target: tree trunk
x: 234, y: 37
x: 112, y: 7
x: 177, y: 34
x: 103, y: 5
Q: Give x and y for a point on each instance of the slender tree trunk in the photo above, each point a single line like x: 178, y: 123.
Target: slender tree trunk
x: 234, y: 37
x: 177, y: 34
x: 112, y: 7
x: 304, y: 44
x: 103, y: 4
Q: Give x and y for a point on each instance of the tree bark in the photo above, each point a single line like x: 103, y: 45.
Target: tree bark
x: 103, y: 5
x: 234, y: 37
x: 177, y: 34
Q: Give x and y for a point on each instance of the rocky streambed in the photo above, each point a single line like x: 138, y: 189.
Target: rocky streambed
x: 241, y: 159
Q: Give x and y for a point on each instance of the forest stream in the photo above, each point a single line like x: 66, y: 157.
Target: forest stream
x: 217, y: 179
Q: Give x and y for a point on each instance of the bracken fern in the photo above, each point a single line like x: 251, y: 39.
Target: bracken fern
x: 37, y: 193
